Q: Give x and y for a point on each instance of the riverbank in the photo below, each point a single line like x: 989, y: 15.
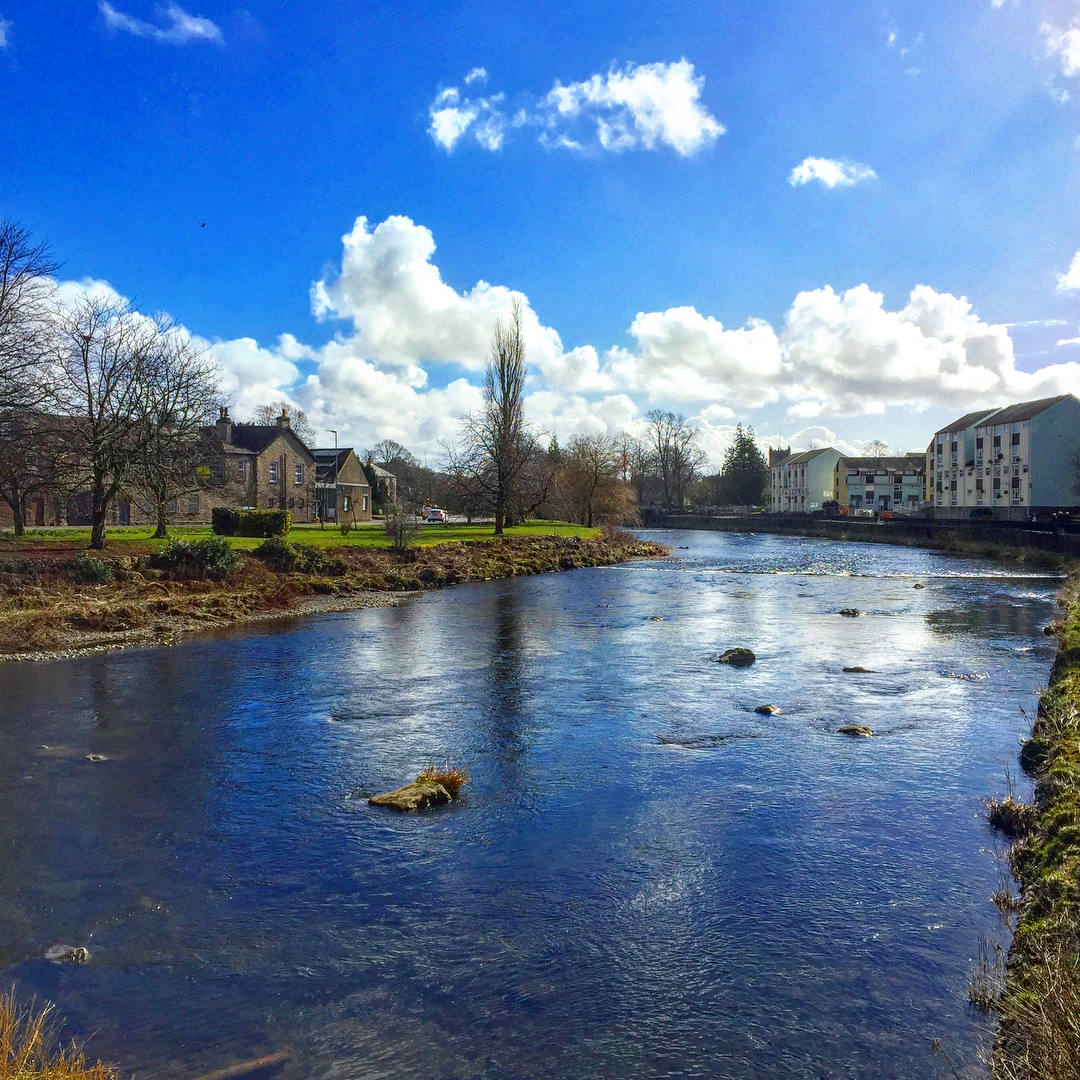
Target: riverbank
x: 56, y: 602
x: 1039, y: 1034
x: 1042, y: 547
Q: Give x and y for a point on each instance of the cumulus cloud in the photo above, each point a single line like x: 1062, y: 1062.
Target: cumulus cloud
x: 406, y: 359
x: 830, y: 173
x: 635, y: 107
x: 1065, y: 45
x: 182, y: 29
x: 5, y: 32
x: 1070, y: 280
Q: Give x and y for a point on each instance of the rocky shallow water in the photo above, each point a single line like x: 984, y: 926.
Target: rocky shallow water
x: 644, y: 878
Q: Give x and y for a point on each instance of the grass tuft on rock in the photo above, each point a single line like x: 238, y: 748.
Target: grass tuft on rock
x: 30, y: 1050
x: 451, y: 779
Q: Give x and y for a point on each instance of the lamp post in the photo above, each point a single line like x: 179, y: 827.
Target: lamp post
x: 337, y: 518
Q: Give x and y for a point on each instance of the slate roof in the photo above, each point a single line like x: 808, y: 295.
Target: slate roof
x: 966, y: 421
x: 885, y: 464
x: 1011, y: 414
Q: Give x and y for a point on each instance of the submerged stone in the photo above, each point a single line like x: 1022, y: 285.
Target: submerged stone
x: 736, y: 657
x: 851, y: 612
x: 860, y: 731
x: 860, y: 671
x: 768, y: 710
x: 419, y: 795
x: 71, y: 954
x: 918, y: 586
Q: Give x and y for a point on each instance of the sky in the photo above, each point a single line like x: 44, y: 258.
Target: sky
x: 837, y: 221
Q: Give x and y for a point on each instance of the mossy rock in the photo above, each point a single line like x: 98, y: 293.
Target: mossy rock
x: 917, y: 585
x: 859, y: 731
x: 736, y: 657
x: 419, y: 795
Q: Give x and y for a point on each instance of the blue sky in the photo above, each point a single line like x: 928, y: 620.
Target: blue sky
x: 632, y: 170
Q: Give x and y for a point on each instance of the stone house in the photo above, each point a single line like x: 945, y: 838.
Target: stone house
x: 342, y: 491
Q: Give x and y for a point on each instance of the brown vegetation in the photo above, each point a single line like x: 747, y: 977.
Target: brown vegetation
x: 29, y: 1049
x: 45, y: 609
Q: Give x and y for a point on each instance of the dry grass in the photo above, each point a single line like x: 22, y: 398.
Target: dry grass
x: 1011, y: 816
x: 451, y: 779
x: 987, y: 981
x: 29, y: 1048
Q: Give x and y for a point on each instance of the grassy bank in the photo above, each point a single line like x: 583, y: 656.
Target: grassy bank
x: 138, y: 539
x: 55, y: 601
x: 1039, y: 1009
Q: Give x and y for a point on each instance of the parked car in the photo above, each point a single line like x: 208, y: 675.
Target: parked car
x: 435, y: 516
x: 863, y: 511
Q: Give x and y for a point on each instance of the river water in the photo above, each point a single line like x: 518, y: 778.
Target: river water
x: 644, y: 879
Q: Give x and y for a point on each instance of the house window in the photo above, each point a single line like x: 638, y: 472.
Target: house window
x: 292, y: 503
x: 997, y: 442
x: 300, y: 504
x: 170, y: 507
x: 299, y: 472
x: 345, y: 503
x: 273, y: 472
x: 193, y: 504
x: 979, y: 485
x: 365, y: 502
x: 979, y: 443
x: 1016, y: 438
x: 241, y: 469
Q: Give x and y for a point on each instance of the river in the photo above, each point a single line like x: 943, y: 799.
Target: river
x: 645, y: 878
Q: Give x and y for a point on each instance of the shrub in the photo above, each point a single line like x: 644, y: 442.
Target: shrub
x: 225, y: 521
x: 264, y: 522
x: 90, y: 570
x: 280, y: 555
x: 228, y: 522
x: 401, y: 527
x: 209, y: 558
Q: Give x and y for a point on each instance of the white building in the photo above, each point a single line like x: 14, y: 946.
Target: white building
x: 883, y: 483
x: 802, y: 483
x: 1015, y: 461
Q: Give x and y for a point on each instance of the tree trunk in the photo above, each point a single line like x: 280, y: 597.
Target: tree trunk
x: 19, y: 518
x: 98, y: 507
x: 500, y: 504
x: 162, y: 522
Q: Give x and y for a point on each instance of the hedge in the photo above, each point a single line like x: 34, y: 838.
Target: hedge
x: 227, y: 522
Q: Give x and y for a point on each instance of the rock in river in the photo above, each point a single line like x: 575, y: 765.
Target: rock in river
x: 768, y: 710
x: 419, y: 795
x: 860, y: 671
x: 851, y: 612
x: 859, y: 730
x: 71, y: 954
x: 737, y: 657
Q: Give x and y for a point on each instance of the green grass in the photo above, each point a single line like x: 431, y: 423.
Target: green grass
x: 369, y: 534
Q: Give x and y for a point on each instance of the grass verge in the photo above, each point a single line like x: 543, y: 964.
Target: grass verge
x: 1039, y: 1004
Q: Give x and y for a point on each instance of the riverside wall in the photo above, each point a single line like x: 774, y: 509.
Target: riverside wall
x: 953, y: 535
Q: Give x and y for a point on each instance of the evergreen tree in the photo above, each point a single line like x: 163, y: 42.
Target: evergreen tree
x: 745, y: 473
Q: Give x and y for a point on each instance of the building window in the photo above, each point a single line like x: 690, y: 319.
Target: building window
x: 979, y: 485
x: 292, y: 503
x: 997, y: 442
x: 193, y: 504
x: 1016, y: 438
x: 273, y: 472
x: 171, y: 506
x: 365, y: 502
x: 270, y: 503
x: 345, y: 503
x: 299, y: 472
x: 241, y: 469
x: 952, y: 485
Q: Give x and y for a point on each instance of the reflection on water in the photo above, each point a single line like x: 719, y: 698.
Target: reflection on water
x: 645, y: 879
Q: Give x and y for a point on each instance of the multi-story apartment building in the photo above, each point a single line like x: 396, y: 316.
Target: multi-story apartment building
x: 882, y: 483
x: 1015, y: 461
x: 802, y: 483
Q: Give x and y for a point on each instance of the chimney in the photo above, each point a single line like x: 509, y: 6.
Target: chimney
x: 223, y: 427
x: 283, y: 419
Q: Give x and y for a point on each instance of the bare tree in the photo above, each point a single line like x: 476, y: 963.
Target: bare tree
x: 591, y: 468
x: 677, y: 454
x: 105, y: 353
x: 179, y: 396
x: 33, y: 460
x: 26, y: 323
x: 387, y: 452
x: 267, y: 416
x: 876, y: 448
x: 497, y: 444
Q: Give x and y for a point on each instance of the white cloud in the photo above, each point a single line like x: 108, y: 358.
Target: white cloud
x: 831, y: 173
x: 5, y: 31
x: 1070, y: 341
x: 182, y: 29
x: 636, y: 107
x: 1064, y: 44
x: 1060, y: 95
x: 1070, y: 280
